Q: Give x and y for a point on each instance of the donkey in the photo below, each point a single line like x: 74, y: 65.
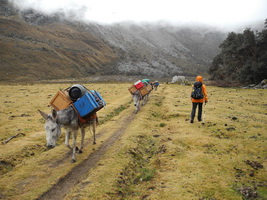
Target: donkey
x: 67, y: 118
x: 138, y: 98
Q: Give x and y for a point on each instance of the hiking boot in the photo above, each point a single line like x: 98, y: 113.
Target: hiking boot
x: 191, y: 121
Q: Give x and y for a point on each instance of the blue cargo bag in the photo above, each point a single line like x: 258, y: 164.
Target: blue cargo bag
x: 89, y: 103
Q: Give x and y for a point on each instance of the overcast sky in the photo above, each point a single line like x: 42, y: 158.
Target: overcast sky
x: 220, y: 13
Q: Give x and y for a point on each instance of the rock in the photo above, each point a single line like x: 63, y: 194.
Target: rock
x: 6, y: 9
x: 248, y: 192
x: 255, y: 165
x: 179, y: 79
x: 234, y: 118
x: 261, y: 85
x: 263, y: 82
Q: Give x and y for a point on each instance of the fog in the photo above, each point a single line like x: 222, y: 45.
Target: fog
x: 219, y: 13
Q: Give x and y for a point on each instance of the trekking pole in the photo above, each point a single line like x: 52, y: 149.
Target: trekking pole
x: 204, y: 114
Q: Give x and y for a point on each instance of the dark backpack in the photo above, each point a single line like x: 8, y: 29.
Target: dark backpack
x: 197, y: 91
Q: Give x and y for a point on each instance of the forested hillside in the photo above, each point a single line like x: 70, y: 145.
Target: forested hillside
x: 243, y: 57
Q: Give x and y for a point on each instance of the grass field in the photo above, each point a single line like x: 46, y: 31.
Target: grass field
x: 160, y: 155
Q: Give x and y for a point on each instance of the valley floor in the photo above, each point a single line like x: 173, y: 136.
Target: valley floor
x: 154, y: 154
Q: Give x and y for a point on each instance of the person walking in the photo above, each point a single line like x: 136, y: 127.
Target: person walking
x: 198, y: 96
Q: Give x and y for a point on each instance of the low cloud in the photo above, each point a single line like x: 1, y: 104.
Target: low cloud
x: 216, y: 13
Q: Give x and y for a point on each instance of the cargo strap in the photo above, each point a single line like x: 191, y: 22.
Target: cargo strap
x: 96, y: 97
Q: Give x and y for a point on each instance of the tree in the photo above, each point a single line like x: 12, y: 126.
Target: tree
x: 243, y: 57
x: 217, y: 68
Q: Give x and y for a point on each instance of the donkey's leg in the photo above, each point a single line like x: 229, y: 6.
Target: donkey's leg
x: 94, y: 130
x: 67, y: 138
x: 147, y: 97
x: 74, y: 145
x: 137, y: 106
x: 82, y: 139
x: 144, y: 100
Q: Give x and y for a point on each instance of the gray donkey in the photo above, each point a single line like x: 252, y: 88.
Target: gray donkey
x: 67, y: 118
x: 138, y: 98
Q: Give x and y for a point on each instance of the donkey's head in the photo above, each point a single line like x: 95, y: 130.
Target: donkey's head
x: 52, y: 128
x: 136, y: 99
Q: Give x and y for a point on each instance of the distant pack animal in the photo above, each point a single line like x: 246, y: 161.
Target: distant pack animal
x: 155, y: 85
x: 139, y: 100
x: 178, y: 79
x: 67, y: 118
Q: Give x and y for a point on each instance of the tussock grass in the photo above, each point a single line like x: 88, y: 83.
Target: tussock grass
x: 223, y: 159
x: 137, y: 170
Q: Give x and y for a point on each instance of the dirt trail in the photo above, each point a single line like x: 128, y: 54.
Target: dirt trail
x: 65, y: 184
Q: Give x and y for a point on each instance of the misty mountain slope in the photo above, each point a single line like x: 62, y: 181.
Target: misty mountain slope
x: 51, y: 51
x: 35, y: 46
x: 160, y: 50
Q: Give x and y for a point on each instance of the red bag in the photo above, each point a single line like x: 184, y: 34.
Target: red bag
x: 138, y: 84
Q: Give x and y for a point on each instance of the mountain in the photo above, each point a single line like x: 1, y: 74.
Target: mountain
x: 160, y: 50
x: 35, y: 46
x: 52, y: 50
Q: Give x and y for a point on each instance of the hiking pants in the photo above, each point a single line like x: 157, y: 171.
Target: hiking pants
x: 193, y: 113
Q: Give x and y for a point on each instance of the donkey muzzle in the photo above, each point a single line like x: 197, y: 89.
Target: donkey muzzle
x: 50, y: 146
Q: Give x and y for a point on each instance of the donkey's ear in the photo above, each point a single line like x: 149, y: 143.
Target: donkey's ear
x: 44, y: 115
x: 54, y: 113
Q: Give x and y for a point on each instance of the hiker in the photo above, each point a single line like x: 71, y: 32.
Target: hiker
x: 198, y: 96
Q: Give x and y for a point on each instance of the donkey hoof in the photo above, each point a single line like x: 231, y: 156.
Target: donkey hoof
x: 94, y: 143
x: 73, y: 160
x: 80, y: 151
x: 76, y: 149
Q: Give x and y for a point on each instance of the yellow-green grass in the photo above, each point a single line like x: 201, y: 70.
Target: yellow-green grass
x: 23, y: 156
x: 189, y: 161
